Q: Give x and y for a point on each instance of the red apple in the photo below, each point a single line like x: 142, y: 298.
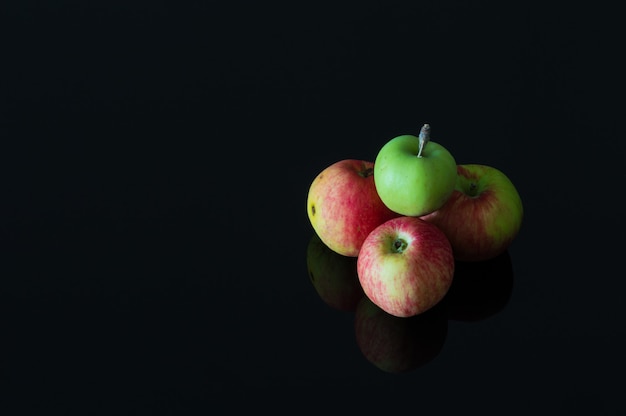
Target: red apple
x: 399, y: 345
x: 482, y: 216
x: 333, y: 276
x: 406, y: 266
x: 344, y: 207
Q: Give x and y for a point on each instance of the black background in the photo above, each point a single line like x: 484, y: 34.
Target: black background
x: 155, y: 163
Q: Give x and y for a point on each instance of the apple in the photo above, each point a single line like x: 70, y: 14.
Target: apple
x: 406, y: 266
x: 480, y: 289
x: 344, y: 207
x: 398, y: 345
x: 482, y: 216
x: 333, y: 276
x: 414, y: 175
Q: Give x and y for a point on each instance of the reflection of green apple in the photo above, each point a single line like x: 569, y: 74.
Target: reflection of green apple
x: 480, y: 289
x: 333, y: 276
x: 397, y: 345
x: 413, y: 175
x: 482, y: 216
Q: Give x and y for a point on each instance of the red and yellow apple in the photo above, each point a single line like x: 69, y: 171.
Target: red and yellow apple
x: 482, y: 216
x: 344, y: 207
x: 406, y: 266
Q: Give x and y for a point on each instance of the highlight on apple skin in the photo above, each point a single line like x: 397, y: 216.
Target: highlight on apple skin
x: 406, y: 266
x: 482, y: 216
x: 343, y: 205
x: 333, y: 276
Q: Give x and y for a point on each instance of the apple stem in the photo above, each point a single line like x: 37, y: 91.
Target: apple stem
x: 472, y: 188
x: 424, y: 137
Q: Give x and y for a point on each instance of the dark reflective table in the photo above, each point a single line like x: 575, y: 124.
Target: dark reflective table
x: 155, y: 248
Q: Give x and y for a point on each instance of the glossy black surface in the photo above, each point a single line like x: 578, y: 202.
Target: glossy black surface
x: 153, y: 230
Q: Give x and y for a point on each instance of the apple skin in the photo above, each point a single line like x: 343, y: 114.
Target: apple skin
x: 406, y: 266
x: 344, y: 207
x: 333, y: 276
x: 480, y: 289
x: 399, y: 345
x: 482, y: 216
x: 412, y: 185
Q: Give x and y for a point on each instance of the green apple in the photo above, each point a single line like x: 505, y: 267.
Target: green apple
x: 483, y: 215
x: 414, y: 175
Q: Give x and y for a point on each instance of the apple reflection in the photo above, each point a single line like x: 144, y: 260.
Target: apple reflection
x: 480, y: 289
x: 333, y: 276
x: 399, y: 345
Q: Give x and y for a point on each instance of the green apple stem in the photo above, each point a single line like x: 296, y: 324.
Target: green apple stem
x: 424, y: 138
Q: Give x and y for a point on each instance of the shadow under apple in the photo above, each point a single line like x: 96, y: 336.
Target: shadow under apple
x: 333, y: 276
x: 480, y: 289
x: 399, y: 345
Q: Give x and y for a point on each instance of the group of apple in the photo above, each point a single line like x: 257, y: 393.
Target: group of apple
x: 409, y: 215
